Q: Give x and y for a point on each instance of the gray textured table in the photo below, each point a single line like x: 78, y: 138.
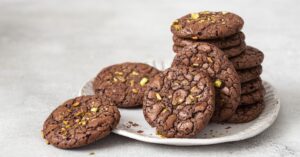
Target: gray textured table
x: 48, y: 49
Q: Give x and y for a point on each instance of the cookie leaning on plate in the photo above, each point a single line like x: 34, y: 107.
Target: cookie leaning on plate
x: 179, y: 102
x: 208, y: 58
x: 80, y: 121
x: 124, y: 83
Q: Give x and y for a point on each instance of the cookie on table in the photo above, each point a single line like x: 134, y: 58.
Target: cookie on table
x: 249, y: 74
x: 80, y: 121
x: 124, y: 83
x: 253, y: 97
x: 251, y: 86
x: 207, y: 25
x: 208, y: 58
x: 247, y: 113
x: 179, y: 102
x: 227, y: 42
x: 250, y: 58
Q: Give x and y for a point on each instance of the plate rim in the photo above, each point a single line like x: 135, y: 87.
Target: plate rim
x: 193, y: 141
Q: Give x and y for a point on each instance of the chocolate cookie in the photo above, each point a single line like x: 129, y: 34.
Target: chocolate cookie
x: 80, y: 121
x: 207, y: 25
x: 250, y: 58
x: 230, y: 52
x: 227, y: 42
x: 208, y: 58
x: 235, y: 51
x: 249, y: 74
x: 179, y: 102
x: 247, y: 113
x: 125, y: 83
x: 251, y: 86
x: 253, y: 97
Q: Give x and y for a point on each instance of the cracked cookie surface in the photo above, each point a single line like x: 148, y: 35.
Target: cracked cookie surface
x: 124, y: 83
x: 80, y: 121
x: 208, y: 58
x: 179, y: 102
x: 207, y: 25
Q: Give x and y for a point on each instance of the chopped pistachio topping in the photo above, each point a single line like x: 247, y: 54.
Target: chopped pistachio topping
x: 134, y: 73
x: 158, y: 97
x: 177, y: 27
x: 121, y: 78
x: 134, y: 90
x: 175, y: 22
x: 224, y: 12
x: 65, y: 122
x: 83, y: 123
x: 115, y: 79
x: 78, y: 113
x: 164, y: 110
x: 94, y: 109
x: 218, y: 83
x: 209, y: 59
x: 195, y: 65
x: 131, y: 83
x: 194, y: 16
x: 205, y: 12
x: 143, y: 81
x: 76, y: 104
x: 118, y: 73
x: 68, y: 126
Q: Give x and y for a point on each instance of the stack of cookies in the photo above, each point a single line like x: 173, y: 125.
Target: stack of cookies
x: 214, y: 77
x: 223, y: 29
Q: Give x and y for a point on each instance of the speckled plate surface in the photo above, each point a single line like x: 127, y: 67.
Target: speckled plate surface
x: 133, y: 124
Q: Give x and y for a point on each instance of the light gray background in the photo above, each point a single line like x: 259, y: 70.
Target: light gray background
x: 48, y: 49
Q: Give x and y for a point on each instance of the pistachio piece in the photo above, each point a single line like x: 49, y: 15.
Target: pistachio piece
x: 134, y: 73
x: 118, y: 73
x: 218, y: 83
x: 94, y: 109
x: 194, y: 16
x: 134, y: 90
x: 209, y: 59
x: 143, y: 81
x: 158, y: 97
x: 76, y: 104
x: 131, y: 83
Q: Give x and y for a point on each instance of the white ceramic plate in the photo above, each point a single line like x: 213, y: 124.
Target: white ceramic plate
x: 133, y: 124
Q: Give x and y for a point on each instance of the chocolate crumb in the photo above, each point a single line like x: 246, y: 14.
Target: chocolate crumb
x: 140, y: 131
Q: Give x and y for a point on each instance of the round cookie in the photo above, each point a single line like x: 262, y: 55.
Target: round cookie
x: 207, y: 25
x: 249, y: 74
x: 247, y: 113
x: 124, y: 83
x: 251, y: 86
x: 251, y: 57
x: 227, y: 42
x: 179, y: 102
x: 80, y: 121
x: 253, y: 97
x: 210, y: 59
x: 230, y: 52
x: 235, y: 51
